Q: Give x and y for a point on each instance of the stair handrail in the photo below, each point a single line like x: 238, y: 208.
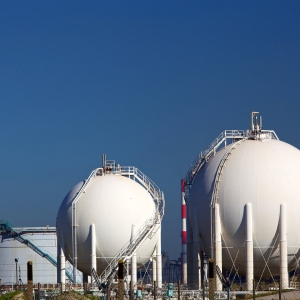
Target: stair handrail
x: 204, y: 156
x: 146, y: 229
x: 129, y: 248
x: 222, y: 164
x: 33, y: 247
x: 74, y: 226
x: 146, y: 182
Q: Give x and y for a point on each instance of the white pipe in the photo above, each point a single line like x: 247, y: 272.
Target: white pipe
x: 249, y: 247
x: 61, y: 260
x: 218, y: 244
x: 284, y: 278
x: 133, y: 261
x: 196, y: 262
x: 158, y: 259
x: 93, y: 247
x: 154, y: 277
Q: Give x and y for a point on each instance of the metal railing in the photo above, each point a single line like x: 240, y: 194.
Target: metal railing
x: 215, y: 193
x: 222, y: 139
x: 129, y: 249
x: 74, y: 225
x: 147, y: 230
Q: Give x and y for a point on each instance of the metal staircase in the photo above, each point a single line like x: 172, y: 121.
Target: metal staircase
x: 204, y: 156
x: 214, y: 197
x: 224, y: 138
x: 6, y: 227
x: 147, y: 230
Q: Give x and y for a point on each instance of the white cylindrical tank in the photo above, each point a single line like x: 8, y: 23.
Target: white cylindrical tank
x: 113, y: 203
x: 38, y: 242
x: 264, y: 173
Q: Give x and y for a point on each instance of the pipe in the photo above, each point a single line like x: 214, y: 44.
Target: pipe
x: 158, y: 259
x: 284, y: 277
x: 103, y: 161
x: 218, y: 244
x: 154, y: 277
x: 133, y: 261
x: 249, y: 247
x: 93, y: 248
x: 183, y: 235
x: 252, y: 116
x: 61, y: 260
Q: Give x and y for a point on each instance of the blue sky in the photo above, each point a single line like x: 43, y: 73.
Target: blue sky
x: 149, y: 83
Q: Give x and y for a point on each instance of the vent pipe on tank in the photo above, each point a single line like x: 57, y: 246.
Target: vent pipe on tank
x: 103, y: 161
x: 252, y: 123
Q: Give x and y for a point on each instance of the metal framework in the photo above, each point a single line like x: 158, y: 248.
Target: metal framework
x: 147, y: 230
x: 224, y: 138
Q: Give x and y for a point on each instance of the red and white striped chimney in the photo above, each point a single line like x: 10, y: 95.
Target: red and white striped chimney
x: 183, y: 235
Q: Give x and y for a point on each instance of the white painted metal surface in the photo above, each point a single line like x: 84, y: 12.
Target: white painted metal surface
x: 93, y: 247
x: 284, y: 276
x: 113, y: 198
x: 61, y: 263
x: 218, y: 244
x: 249, y: 247
x: 133, y: 260
x: 154, y: 277
x: 158, y: 259
x: 261, y: 171
x: 10, y: 249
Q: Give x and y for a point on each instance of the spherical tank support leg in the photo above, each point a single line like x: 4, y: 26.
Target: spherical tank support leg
x: 218, y: 244
x: 133, y: 261
x: 154, y: 266
x: 249, y: 247
x: 61, y: 262
x: 158, y: 259
x: 284, y: 277
x: 93, y: 248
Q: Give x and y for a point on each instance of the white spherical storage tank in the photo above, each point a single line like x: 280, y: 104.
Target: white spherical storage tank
x: 243, y: 206
x: 103, y: 216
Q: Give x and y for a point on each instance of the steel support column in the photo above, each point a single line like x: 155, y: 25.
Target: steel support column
x: 218, y: 244
x: 284, y: 276
x: 249, y: 247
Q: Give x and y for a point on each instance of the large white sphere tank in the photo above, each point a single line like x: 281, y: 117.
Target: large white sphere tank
x: 113, y: 203
x: 264, y: 173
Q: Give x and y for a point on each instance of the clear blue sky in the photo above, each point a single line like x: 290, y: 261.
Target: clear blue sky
x: 149, y: 83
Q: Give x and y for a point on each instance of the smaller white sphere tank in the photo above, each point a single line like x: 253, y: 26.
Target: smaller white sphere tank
x: 118, y: 206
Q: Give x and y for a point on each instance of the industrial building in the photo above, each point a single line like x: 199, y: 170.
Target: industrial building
x: 20, y: 245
